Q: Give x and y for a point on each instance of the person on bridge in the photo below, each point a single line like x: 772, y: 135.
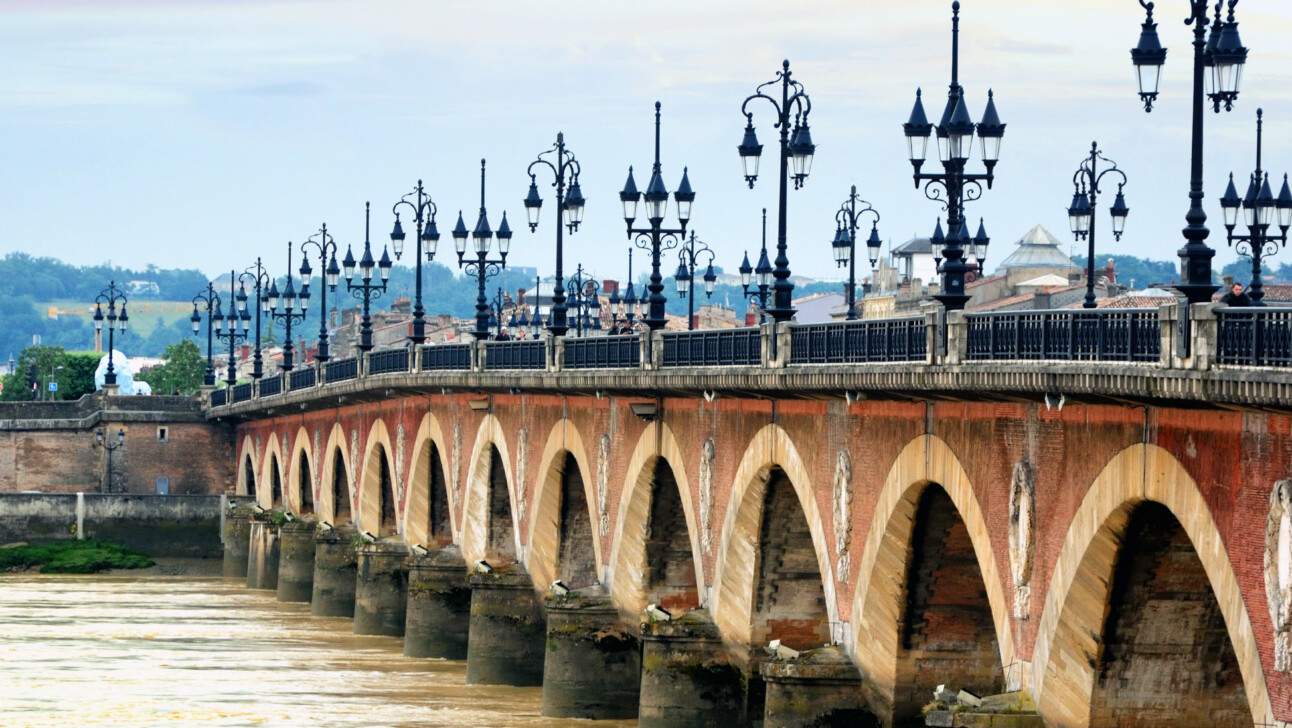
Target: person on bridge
x: 1236, y: 296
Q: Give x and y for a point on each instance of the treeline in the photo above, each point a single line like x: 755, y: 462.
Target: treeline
x: 47, y: 279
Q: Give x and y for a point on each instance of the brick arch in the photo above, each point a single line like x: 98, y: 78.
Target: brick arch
x: 294, y: 499
x: 543, y: 542
x: 627, y: 575
x: 878, y: 605
x: 371, y: 498
x: 249, y: 458
x: 736, y: 573
x: 474, y: 522
x: 417, y: 494
x: 273, y: 461
x: 1071, y: 621
x: 323, y: 504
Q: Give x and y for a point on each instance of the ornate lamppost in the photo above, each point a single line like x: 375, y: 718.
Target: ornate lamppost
x: 106, y: 443
x: 238, y: 322
x: 211, y: 300
x: 847, y: 220
x: 1081, y: 213
x: 291, y: 313
x: 656, y: 238
x: 365, y: 290
x: 762, y: 290
x: 688, y: 257
x: 624, y: 310
x: 1217, y: 72
x: 953, y: 187
x: 796, y: 151
x: 428, y: 235
x: 565, y: 170
x: 325, y: 244
x: 1259, y: 207
x: 585, y: 294
x: 260, y: 284
x: 483, y: 267
x: 110, y: 297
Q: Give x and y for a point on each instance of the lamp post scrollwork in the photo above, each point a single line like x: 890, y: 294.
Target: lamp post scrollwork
x: 849, y: 217
x: 1261, y: 211
x: 110, y: 297
x: 325, y: 244
x: 427, y: 236
x: 483, y: 267
x: 569, y: 206
x: 365, y: 290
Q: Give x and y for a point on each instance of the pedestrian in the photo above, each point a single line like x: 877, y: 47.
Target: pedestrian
x: 1236, y: 296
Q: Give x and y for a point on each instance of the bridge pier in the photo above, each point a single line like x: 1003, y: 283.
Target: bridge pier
x: 262, y: 555
x: 335, y: 573
x: 296, y: 561
x: 439, y: 606
x: 688, y: 679
x: 507, y: 637
x: 381, y: 588
x: 819, y: 689
x: 593, y: 665
x: 237, y: 541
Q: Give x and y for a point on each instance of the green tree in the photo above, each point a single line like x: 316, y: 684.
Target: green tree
x: 182, y: 371
x: 45, y: 359
x: 77, y: 377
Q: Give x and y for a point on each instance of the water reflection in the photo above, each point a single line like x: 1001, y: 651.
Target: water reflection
x: 156, y: 651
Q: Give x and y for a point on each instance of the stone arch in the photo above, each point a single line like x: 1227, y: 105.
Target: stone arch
x: 769, y: 454
x: 1073, y: 619
x: 270, y: 491
x: 427, y: 501
x: 246, y: 484
x: 488, y: 454
x: 629, y: 562
x: 336, y: 494
x: 563, y: 465
x: 879, y: 603
x: 377, y: 507
x: 300, y: 476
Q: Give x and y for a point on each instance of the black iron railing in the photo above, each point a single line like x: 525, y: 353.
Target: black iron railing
x: 1066, y: 335
x: 387, y: 361
x: 269, y: 386
x: 241, y: 393
x: 302, y: 378
x: 603, y: 352
x: 339, y: 370
x: 857, y: 342
x: 528, y: 354
x: 1254, y: 337
x: 440, y: 357
x: 219, y: 397
x: 726, y: 347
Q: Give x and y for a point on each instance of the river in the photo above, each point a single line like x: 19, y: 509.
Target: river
x: 167, y: 651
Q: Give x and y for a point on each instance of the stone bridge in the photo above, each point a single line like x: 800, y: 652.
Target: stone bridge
x: 1113, y: 537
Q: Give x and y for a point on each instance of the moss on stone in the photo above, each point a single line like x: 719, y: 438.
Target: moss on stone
x: 72, y: 557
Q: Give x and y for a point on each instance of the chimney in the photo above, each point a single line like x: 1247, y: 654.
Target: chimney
x: 1041, y: 300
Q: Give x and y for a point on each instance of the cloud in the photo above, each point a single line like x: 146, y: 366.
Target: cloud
x: 285, y: 88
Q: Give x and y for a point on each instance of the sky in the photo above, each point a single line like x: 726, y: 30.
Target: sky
x: 203, y: 133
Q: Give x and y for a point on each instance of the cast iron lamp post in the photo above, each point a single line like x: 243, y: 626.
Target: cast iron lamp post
x: 565, y: 169
x: 365, y: 290
x: 1259, y: 208
x: 626, y: 308
x: 260, y: 282
x: 106, y: 443
x: 1081, y: 213
x: 291, y: 313
x: 585, y: 293
x: 656, y: 238
x: 1217, y: 73
x: 211, y: 299
x: 847, y: 220
x: 427, y: 234
x: 484, y: 268
x: 110, y: 297
x: 762, y: 289
x: 953, y: 187
x: 237, y: 322
x: 325, y: 244
x: 796, y: 151
x: 688, y: 257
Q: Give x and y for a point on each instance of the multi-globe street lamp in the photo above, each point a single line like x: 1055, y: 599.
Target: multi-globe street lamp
x: 291, y: 313
x: 763, y: 273
x: 656, y: 238
x: 427, y: 235
x: 211, y: 300
x: 797, y: 151
x: 484, y: 267
x: 1081, y: 213
x: 623, y: 310
x: 569, y: 206
x: 1217, y: 73
x: 325, y: 244
x: 687, y: 261
x: 584, y: 294
x: 238, y: 322
x: 365, y: 290
x: 847, y: 220
x: 110, y: 297
x: 1259, y: 209
x: 953, y: 187
x: 260, y: 283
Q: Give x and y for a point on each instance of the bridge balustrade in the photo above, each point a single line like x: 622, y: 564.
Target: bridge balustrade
x: 241, y: 392
x: 1255, y: 337
x: 388, y: 361
x: 602, y: 352
x: 270, y: 386
x: 860, y: 342
x: 446, y: 357
x: 527, y: 354
x: 340, y: 370
x: 219, y: 397
x: 302, y: 378
x: 723, y: 347
x: 1128, y: 335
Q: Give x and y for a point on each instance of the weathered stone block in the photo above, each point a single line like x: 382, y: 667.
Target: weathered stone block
x: 381, y: 588
x: 296, y: 561
x: 335, y: 573
x: 506, y: 643
x: 593, y: 664
x: 439, y: 606
x: 688, y: 679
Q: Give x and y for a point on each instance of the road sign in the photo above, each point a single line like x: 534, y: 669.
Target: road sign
x: 53, y: 386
